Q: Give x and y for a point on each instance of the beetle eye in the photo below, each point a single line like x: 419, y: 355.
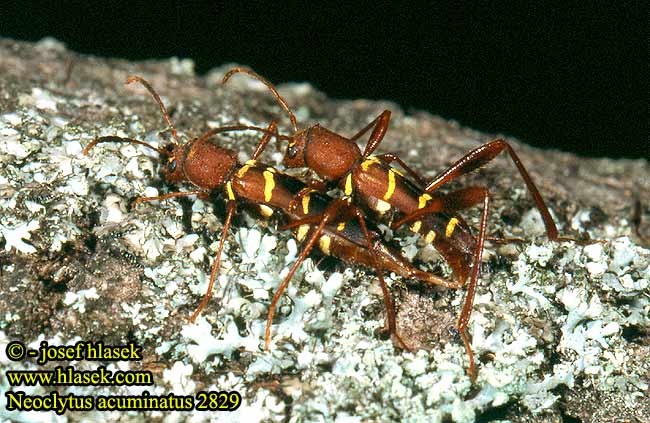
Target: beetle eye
x: 171, y: 167
x: 292, y: 151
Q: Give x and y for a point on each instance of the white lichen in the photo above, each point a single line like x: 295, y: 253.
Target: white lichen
x: 15, y: 236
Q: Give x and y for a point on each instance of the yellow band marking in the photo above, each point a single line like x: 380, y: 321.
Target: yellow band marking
x: 391, y: 185
x: 302, y: 232
x: 431, y: 236
x: 241, y: 172
x: 340, y: 226
x: 450, y: 226
x: 305, y: 204
x: 369, y: 162
x: 271, y: 169
x: 348, y: 185
x: 269, y: 184
x: 266, y: 210
x: 422, y: 201
x: 416, y: 226
x: 231, y: 194
x: 324, y: 244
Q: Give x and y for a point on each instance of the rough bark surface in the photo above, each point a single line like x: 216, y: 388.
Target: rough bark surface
x: 562, y: 331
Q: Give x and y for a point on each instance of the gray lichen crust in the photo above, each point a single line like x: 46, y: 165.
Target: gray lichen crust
x: 559, y: 329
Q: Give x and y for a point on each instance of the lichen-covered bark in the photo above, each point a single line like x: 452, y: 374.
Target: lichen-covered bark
x: 560, y: 329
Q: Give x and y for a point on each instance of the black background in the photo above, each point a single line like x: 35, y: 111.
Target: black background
x: 573, y: 78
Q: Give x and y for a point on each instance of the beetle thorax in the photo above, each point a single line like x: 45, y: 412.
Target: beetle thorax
x: 207, y: 165
x: 330, y: 155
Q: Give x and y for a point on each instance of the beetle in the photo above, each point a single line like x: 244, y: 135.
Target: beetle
x: 337, y: 227
x: 377, y: 186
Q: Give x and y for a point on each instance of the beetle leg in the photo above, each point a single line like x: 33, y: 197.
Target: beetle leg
x: 231, y: 206
x: 201, y: 194
x: 380, y: 126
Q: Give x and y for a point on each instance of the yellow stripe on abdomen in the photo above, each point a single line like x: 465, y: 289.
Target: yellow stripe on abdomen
x: 422, y: 200
x: 302, y: 232
x: 231, y: 194
x: 416, y: 227
x: 241, y: 172
x: 391, y: 185
x: 348, y: 185
x: 369, y: 162
x: 451, y: 225
x: 269, y: 185
x: 324, y: 244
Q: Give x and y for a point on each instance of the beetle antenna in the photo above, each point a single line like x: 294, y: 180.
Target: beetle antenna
x: 156, y: 97
x: 120, y: 139
x: 235, y: 128
x: 276, y: 94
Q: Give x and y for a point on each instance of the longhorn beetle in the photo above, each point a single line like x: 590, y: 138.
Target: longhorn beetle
x: 337, y: 227
x: 379, y: 187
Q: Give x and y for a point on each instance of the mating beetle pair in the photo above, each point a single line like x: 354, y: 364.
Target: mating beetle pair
x: 340, y: 226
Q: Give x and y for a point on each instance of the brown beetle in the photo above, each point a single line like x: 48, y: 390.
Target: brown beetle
x: 378, y: 187
x: 337, y: 227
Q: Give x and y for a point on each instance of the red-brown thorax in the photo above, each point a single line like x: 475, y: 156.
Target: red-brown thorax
x: 201, y: 163
x: 328, y: 154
